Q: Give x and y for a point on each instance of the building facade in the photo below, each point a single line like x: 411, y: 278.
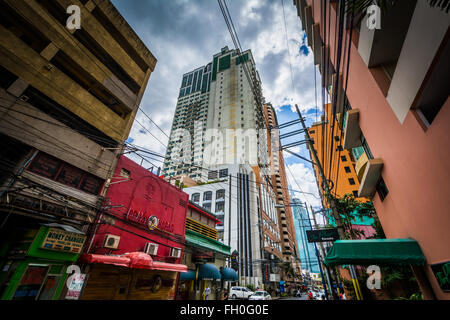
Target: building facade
x: 205, y: 257
x: 217, y: 118
x: 68, y: 98
x: 279, y: 184
x: 143, y: 220
x: 307, y: 251
x: 398, y: 111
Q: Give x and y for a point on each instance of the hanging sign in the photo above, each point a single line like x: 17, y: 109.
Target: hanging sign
x: 322, y: 235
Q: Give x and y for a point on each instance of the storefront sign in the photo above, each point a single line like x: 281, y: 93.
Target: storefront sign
x: 234, y: 260
x: 274, y: 277
x: 151, y: 222
x: 322, y: 235
x: 60, y: 240
x: 76, y: 286
x: 442, y: 273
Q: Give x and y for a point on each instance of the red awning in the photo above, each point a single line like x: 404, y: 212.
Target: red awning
x: 137, y: 260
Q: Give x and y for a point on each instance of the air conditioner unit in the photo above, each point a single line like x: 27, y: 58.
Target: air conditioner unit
x: 151, y: 248
x: 111, y: 241
x: 175, y: 252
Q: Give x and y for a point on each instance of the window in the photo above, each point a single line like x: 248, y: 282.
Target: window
x: 207, y: 206
x: 220, y: 207
x: 347, y: 169
x: 220, y: 194
x: 355, y: 193
x: 195, y: 197
x: 351, y: 181
x: 207, y: 196
x: 336, y: 138
x: 212, y: 174
x: 223, y: 173
x: 382, y: 189
x: 343, y: 158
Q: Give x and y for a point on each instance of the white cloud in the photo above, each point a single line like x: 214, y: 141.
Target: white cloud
x: 306, y: 182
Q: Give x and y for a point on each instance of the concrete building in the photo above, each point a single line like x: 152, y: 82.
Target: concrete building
x: 398, y: 110
x: 306, y: 250
x: 280, y: 188
x: 217, y: 118
x: 347, y: 166
x: 248, y: 220
x: 218, y: 138
x: 68, y: 98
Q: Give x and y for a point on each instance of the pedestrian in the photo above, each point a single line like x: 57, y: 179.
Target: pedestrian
x: 206, y: 292
x: 225, y: 295
x: 323, y: 297
x: 344, y: 297
x: 277, y: 292
x: 310, y: 296
x: 340, y: 296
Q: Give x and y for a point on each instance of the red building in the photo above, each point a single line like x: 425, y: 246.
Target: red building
x: 139, y: 237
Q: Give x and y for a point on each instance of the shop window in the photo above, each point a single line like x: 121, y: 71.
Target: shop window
x: 31, y: 282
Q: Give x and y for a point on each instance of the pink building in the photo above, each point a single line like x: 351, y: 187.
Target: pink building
x: 395, y: 106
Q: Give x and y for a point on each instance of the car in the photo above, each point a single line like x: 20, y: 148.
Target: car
x: 240, y: 293
x: 260, y: 295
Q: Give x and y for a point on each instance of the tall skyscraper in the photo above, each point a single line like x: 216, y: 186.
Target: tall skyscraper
x: 219, y: 118
x: 218, y: 136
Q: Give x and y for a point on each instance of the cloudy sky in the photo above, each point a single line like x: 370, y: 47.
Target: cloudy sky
x: 185, y: 34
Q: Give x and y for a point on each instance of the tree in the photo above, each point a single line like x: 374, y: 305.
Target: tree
x: 348, y: 209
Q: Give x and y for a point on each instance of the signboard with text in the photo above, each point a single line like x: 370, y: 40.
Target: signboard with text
x: 60, y: 240
x: 76, y: 286
x: 322, y: 235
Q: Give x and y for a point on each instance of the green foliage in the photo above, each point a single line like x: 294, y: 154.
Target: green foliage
x: 414, y: 296
x: 345, y: 207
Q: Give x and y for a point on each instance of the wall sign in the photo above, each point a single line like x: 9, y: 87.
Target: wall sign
x: 322, y: 235
x: 76, y: 286
x: 442, y: 273
x: 60, y: 240
x: 151, y: 222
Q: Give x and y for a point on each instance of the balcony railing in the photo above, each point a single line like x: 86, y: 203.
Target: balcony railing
x: 198, y: 227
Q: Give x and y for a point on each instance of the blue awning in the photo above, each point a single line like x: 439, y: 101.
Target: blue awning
x: 229, y: 274
x: 208, y: 272
x: 190, y: 275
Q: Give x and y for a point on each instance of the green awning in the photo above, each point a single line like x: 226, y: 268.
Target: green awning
x: 208, y: 271
x: 375, y: 251
x: 229, y: 274
x: 198, y: 240
x: 190, y: 275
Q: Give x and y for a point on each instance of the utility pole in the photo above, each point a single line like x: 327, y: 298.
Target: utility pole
x: 320, y: 264
x: 322, y: 175
x: 317, y: 252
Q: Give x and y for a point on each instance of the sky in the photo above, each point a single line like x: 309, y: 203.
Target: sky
x: 185, y: 34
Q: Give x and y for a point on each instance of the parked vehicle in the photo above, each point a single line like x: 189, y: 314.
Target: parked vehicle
x: 260, y: 295
x: 240, y: 293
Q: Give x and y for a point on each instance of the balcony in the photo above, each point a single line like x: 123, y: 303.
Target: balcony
x: 370, y: 178
x: 361, y: 164
x: 352, y: 131
x: 317, y: 44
